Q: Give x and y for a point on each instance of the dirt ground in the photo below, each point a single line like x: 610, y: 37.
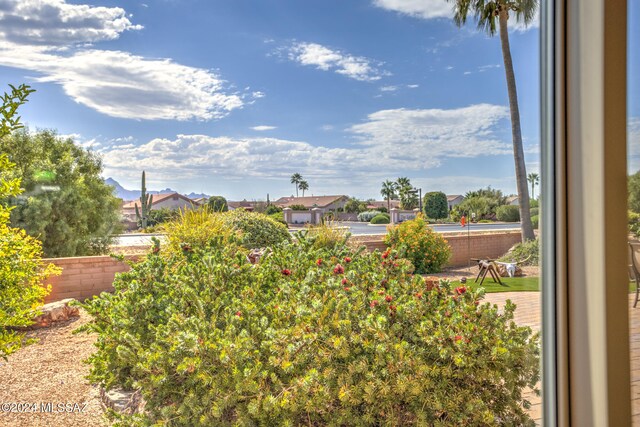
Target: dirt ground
x: 51, y: 371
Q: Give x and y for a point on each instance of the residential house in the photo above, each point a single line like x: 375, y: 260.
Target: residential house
x: 513, y: 200
x: 377, y: 204
x: 325, y: 203
x: 454, y: 200
x: 172, y: 201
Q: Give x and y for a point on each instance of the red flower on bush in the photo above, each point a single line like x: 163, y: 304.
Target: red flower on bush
x: 461, y: 290
x: 346, y: 288
x: 345, y: 281
x: 388, y: 298
x: 338, y: 269
x: 458, y: 338
x: 286, y: 272
x: 319, y: 261
x: 419, y: 295
x: 238, y: 313
x: 347, y: 259
x: 385, y: 254
x: 373, y: 303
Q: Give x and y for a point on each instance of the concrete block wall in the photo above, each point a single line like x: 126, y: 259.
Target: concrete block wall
x: 464, y: 247
x: 83, y: 277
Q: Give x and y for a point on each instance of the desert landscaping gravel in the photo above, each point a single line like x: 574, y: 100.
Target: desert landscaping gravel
x: 51, y: 371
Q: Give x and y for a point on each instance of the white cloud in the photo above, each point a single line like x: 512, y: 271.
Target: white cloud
x: 414, y: 86
x: 425, y: 9
x: 388, y: 88
x: 432, y: 9
x: 484, y: 68
x: 57, y: 23
x: 50, y: 38
x: 463, y: 132
x: 120, y: 84
x: 324, y: 58
x: 388, y: 142
x: 263, y: 127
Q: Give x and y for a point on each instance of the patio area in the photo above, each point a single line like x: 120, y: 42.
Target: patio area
x: 528, y: 313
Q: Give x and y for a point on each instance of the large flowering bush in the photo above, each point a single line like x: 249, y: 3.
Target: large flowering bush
x: 417, y: 242
x: 308, y: 336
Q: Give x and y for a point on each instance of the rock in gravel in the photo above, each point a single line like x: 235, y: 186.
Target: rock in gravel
x: 121, y: 401
x: 57, y: 311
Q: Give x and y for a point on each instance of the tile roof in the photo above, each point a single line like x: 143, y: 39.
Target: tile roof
x: 308, y: 201
x: 157, y: 198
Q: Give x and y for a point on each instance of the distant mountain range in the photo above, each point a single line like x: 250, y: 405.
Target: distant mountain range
x: 125, y: 194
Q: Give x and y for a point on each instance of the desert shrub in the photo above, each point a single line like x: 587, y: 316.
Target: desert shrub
x: 298, y: 208
x: 217, y: 204
x: 366, y: 216
x: 535, y: 221
x: 534, y: 211
x: 414, y: 240
x: 197, y: 229
x: 278, y: 216
x: 328, y: 235
x: 159, y: 216
x: 508, y: 213
x: 634, y: 222
x: 527, y: 253
x: 308, y: 337
x: 480, y: 205
x: 271, y: 209
x: 254, y: 230
x: 435, y: 205
x: 380, y: 219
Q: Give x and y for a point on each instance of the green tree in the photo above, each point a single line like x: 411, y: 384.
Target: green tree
x: 435, y: 205
x: 493, y: 16
x: 407, y: 194
x: 534, y: 179
x: 67, y: 205
x: 493, y: 197
x: 22, y: 272
x: 304, y: 186
x: 388, y: 191
x: 633, y: 185
x: 296, y: 178
x: 354, y: 205
x: 217, y: 204
x: 480, y: 205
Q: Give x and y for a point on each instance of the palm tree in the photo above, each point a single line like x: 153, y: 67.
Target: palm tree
x: 388, y: 192
x: 304, y: 186
x: 534, y: 179
x: 295, y: 180
x: 491, y: 16
x: 408, y: 198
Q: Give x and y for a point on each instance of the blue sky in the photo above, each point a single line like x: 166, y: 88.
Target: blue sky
x: 232, y: 97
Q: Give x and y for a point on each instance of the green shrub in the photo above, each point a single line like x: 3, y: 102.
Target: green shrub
x: 367, y: 216
x: 534, y: 211
x: 254, y: 230
x: 159, y: 216
x: 308, y: 337
x: 535, y: 220
x: 534, y: 203
x: 435, y: 205
x: 217, y: 204
x: 508, y: 213
x: 22, y: 271
x: 272, y: 209
x: 299, y: 208
x: 198, y: 229
x: 527, y: 253
x: 380, y: 219
x: 633, y: 222
x: 326, y: 236
x: 278, y: 216
x: 427, y: 250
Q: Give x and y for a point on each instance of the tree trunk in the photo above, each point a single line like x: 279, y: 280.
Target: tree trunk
x: 518, y: 153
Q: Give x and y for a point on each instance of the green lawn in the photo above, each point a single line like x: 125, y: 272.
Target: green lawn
x: 515, y: 284
x: 511, y: 284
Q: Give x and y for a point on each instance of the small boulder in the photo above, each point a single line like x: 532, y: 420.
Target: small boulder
x: 57, y: 311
